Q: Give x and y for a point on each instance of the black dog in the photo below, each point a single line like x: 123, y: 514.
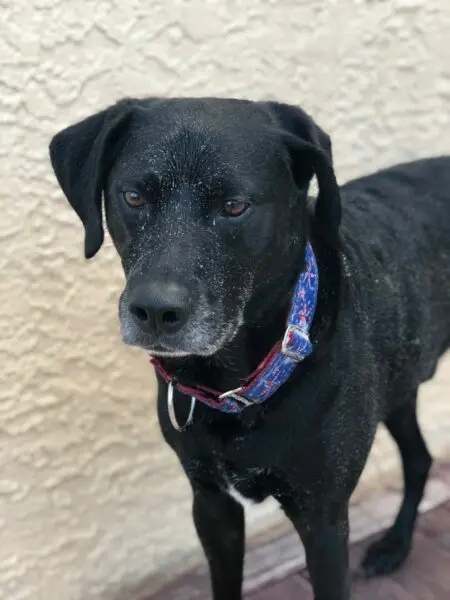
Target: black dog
x: 206, y: 202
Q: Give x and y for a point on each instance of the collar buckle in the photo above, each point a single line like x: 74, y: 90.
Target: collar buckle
x: 296, y: 343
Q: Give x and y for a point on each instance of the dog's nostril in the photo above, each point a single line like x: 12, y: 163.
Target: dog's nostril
x: 159, y: 309
x: 139, y: 312
x: 170, y: 317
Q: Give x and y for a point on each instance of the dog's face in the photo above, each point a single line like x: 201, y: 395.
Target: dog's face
x: 205, y: 201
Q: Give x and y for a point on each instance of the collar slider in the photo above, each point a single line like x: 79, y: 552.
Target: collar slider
x: 296, y: 343
x: 235, y: 396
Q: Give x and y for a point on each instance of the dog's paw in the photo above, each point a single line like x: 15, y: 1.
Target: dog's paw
x: 386, y: 555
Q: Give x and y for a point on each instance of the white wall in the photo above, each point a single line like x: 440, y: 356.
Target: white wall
x: 91, y: 501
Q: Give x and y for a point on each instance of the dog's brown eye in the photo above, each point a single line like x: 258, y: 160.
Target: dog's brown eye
x: 134, y: 199
x: 235, y: 208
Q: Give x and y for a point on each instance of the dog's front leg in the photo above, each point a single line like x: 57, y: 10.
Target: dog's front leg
x: 325, y: 539
x: 219, y: 521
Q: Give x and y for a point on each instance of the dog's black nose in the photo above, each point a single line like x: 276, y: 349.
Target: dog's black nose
x: 159, y: 308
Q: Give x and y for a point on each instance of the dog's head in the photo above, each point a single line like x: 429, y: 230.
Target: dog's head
x: 206, y: 203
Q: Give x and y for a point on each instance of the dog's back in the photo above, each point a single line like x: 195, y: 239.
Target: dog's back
x: 397, y: 226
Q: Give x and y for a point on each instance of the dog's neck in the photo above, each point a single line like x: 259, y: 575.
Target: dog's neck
x: 228, y: 368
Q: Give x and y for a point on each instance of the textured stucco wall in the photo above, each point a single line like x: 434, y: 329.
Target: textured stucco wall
x: 91, y: 501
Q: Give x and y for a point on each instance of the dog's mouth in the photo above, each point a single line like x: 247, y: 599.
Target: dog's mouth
x: 159, y: 352
x: 197, y: 348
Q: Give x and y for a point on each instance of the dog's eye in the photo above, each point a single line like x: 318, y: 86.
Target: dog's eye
x: 134, y: 199
x: 235, y: 208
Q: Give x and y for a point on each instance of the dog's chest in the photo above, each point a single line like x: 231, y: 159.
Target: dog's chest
x: 246, y: 485
x: 240, y: 462
x: 246, y: 481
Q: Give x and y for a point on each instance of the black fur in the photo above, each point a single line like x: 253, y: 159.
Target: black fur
x: 382, y: 321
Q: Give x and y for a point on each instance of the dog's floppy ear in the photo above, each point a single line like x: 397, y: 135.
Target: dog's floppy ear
x: 81, y: 156
x: 310, y: 151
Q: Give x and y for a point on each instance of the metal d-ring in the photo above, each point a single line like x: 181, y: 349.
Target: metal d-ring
x: 171, y: 409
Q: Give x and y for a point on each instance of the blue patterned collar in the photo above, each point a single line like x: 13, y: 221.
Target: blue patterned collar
x: 278, y: 365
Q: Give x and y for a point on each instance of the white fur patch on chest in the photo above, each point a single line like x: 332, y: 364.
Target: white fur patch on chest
x: 231, y: 480
x: 245, y: 502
